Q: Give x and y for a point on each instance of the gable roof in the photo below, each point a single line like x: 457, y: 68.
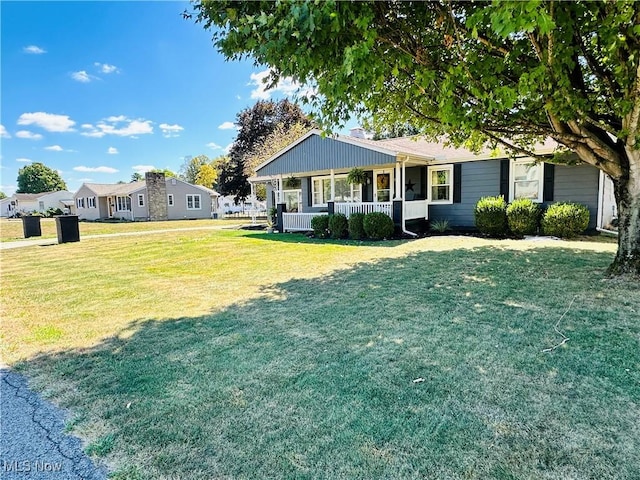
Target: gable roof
x: 104, y: 189
x: 415, y: 147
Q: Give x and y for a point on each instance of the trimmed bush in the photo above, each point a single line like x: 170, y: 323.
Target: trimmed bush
x: 491, y: 216
x: 320, y: 225
x: 338, y: 225
x: 523, y: 216
x: 377, y: 225
x: 356, y: 227
x: 565, y: 220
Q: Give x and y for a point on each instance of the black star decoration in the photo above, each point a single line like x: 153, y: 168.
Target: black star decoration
x: 410, y: 185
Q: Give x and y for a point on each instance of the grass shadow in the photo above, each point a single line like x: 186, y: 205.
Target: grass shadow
x: 293, y: 237
x: 426, y: 366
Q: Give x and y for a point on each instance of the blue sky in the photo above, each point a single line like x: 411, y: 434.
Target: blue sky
x: 99, y: 90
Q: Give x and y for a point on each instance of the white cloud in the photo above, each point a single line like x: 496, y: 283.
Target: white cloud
x: 49, y: 121
x: 112, y: 151
x: 82, y: 76
x: 34, y: 50
x: 227, y: 126
x: 55, y: 148
x: 227, y: 149
x: 24, y: 160
x: 143, y: 168
x: 169, y: 131
x: 120, y: 126
x: 29, y: 135
x: 106, y: 68
x: 9, y: 190
x: 3, y: 132
x: 85, y: 180
x: 286, y: 86
x: 82, y: 168
x: 213, y: 146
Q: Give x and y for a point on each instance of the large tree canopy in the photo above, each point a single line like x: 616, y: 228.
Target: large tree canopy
x: 38, y: 178
x: 255, y: 125
x: 502, y: 72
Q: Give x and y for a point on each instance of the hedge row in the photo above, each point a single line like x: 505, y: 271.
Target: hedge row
x: 524, y: 217
x: 375, y: 226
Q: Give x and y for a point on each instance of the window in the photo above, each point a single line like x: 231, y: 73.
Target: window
x: 91, y: 202
x: 80, y: 202
x: 141, y: 199
x: 123, y: 204
x: 441, y: 184
x: 41, y: 205
x: 193, y: 202
x: 292, y: 199
x: 382, y: 184
x: 170, y: 199
x: 526, y: 180
x: 344, y: 191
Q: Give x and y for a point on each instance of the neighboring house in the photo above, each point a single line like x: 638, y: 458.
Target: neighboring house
x: 227, y: 205
x: 415, y: 180
x: 155, y: 198
x: 38, y: 202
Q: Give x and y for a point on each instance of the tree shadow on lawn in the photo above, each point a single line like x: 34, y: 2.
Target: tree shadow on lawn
x: 426, y: 366
x: 302, y: 238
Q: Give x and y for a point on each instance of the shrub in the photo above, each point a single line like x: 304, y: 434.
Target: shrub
x: 356, y: 227
x: 491, y: 216
x: 378, y: 225
x: 338, y: 225
x: 440, y: 225
x: 523, y: 216
x: 565, y: 220
x: 320, y: 225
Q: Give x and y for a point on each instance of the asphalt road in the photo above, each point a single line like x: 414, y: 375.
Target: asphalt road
x: 33, y: 444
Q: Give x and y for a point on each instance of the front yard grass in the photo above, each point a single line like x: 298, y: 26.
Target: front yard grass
x: 226, y: 354
x: 11, y: 229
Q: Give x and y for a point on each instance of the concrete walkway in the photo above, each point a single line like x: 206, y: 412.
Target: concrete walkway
x: 33, y: 444
x: 42, y: 242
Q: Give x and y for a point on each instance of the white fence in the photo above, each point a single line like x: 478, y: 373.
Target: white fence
x: 364, y: 207
x: 298, y: 222
x: 416, y: 209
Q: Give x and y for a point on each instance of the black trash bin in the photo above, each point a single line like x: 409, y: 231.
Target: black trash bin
x: 31, y: 226
x: 68, y: 229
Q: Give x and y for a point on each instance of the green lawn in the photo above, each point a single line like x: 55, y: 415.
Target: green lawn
x: 11, y: 229
x: 226, y: 354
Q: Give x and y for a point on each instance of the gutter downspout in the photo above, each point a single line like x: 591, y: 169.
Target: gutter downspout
x: 401, y: 182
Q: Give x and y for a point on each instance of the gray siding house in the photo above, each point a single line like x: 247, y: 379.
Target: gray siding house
x: 155, y: 198
x: 415, y: 180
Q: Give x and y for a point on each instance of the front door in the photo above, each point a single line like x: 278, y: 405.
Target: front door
x: 110, y: 206
x: 382, y: 185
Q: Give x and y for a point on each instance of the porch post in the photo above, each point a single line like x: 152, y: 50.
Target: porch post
x: 333, y: 185
x: 397, y: 194
x: 280, y: 209
x: 280, y: 188
x: 331, y: 207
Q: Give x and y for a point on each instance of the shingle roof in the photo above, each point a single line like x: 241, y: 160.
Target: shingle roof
x: 103, y: 189
x: 27, y: 197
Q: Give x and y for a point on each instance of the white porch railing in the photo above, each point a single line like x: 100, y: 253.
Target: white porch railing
x: 298, y: 222
x: 364, y: 207
x: 416, y: 209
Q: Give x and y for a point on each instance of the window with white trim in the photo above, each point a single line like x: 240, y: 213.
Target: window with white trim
x: 80, y: 202
x: 170, y: 199
x: 526, y: 180
x: 343, y: 190
x: 440, y: 180
x: 123, y: 203
x: 193, y: 201
x: 91, y: 202
x: 141, y: 199
x: 41, y: 205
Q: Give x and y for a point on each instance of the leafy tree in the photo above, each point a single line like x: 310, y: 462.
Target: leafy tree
x: 3, y: 195
x: 255, y: 125
x: 166, y: 171
x: 191, y: 167
x: 137, y: 177
x: 37, y: 178
x: 499, y: 73
x: 207, y: 175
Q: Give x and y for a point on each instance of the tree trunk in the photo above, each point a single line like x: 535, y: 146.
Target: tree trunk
x: 627, y: 192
